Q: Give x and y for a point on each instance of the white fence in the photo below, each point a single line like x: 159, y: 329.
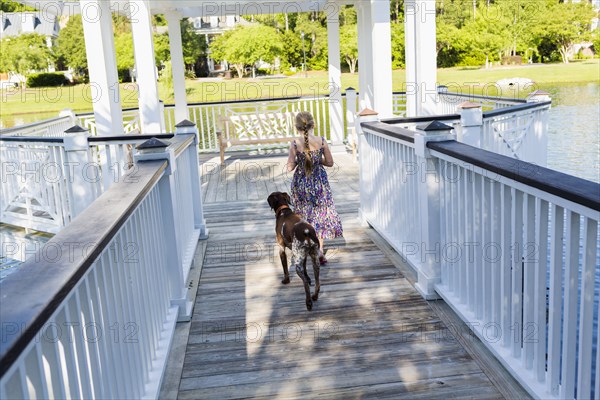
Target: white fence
x: 518, y: 131
x: 513, y: 247
x: 53, y: 127
x: 107, y: 289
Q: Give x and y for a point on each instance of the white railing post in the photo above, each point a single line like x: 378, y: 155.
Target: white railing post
x: 150, y: 150
x: 539, y: 150
x: 429, y: 267
x: 350, y: 117
x: 471, y: 122
x: 183, y: 128
x: 161, y: 108
x: 67, y: 112
x: 81, y: 172
x: 366, y: 115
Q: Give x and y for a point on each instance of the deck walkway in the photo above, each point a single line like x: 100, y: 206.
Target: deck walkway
x: 370, y: 335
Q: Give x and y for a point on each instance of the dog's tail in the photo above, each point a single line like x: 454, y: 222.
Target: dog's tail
x: 307, y: 233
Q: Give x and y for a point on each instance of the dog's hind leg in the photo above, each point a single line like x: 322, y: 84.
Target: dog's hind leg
x: 286, y: 273
x: 306, y: 272
x: 316, y: 270
x: 302, y: 276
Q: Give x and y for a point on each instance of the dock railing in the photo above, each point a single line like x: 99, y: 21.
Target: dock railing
x: 93, y: 312
x: 511, y: 246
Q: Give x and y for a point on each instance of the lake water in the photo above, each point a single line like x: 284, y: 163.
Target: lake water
x: 574, y: 130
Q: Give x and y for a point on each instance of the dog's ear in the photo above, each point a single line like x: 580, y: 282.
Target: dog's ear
x: 287, y: 198
x: 271, y: 200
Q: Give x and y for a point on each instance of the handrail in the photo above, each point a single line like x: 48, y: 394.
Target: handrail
x: 390, y: 130
x: 136, y: 137
x: 7, y: 131
x: 30, y: 309
x: 569, y: 187
x: 427, y: 118
x: 477, y: 96
x: 513, y: 109
x: 30, y: 139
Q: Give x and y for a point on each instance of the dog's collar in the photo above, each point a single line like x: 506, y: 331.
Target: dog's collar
x: 281, y: 208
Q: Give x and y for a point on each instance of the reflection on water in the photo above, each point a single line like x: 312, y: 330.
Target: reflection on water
x: 574, y: 130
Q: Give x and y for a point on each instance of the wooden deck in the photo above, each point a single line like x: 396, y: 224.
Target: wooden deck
x: 370, y: 335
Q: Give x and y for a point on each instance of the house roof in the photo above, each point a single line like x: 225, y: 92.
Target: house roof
x: 14, y: 24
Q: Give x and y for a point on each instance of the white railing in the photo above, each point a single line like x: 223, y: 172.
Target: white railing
x: 97, y: 320
x: 131, y: 122
x: 207, y: 116
x: 448, y: 102
x: 389, y: 179
x: 53, y: 127
x: 518, y: 131
x: 36, y: 191
x: 513, y: 247
x: 49, y: 181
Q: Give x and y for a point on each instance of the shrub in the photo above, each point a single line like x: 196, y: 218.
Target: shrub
x: 47, y: 79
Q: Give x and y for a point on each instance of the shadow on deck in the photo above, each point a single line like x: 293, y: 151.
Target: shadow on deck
x: 369, y: 335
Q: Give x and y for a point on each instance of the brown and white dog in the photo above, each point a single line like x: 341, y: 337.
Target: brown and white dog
x: 299, y: 236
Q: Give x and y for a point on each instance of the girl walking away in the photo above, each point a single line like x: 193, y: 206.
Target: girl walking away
x: 311, y: 193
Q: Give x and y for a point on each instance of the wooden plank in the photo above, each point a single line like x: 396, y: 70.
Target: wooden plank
x: 370, y: 334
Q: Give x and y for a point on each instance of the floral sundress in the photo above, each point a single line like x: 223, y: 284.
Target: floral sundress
x: 312, y: 198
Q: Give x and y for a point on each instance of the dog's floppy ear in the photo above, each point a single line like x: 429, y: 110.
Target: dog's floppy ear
x: 287, y: 198
x: 271, y: 200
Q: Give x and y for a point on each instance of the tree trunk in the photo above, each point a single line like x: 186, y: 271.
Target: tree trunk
x: 564, y: 54
x: 239, y: 68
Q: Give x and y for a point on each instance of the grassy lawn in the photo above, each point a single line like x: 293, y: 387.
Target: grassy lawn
x: 40, y: 103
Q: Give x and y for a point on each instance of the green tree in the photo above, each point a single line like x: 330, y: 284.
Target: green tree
x: 124, y: 51
x: 291, y: 55
x: 565, y: 24
x: 315, y: 39
x: 246, y: 45
x: 450, y: 44
x: 484, y: 42
x: 13, y: 6
x: 70, y: 45
x: 194, y: 45
x: 24, y: 53
x: 349, y: 45
x: 398, y: 47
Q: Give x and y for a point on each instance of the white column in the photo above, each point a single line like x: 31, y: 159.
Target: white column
x: 381, y: 61
x: 410, y: 53
x: 102, y: 66
x: 145, y: 65
x: 427, y: 57
x: 365, y: 55
x: 336, y: 117
x: 177, y: 65
x: 421, y: 57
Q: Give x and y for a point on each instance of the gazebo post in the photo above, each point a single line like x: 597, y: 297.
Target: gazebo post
x: 421, y: 57
x: 375, y: 54
x: 177, y: 65
x: 145, y: 65
x: 336, y: 117
x: 102, y: 66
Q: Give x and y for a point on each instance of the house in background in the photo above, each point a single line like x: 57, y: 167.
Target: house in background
x: 15, y: 24
x: 211, y: 27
